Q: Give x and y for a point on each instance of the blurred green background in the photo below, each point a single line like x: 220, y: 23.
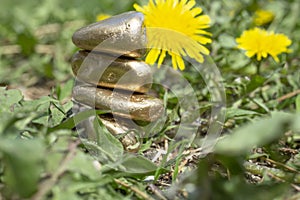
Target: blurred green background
x: 35, y: 39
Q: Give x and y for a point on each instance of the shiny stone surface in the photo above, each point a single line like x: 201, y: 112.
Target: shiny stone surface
x: 135, y: 106
x: 122, y: 34
x: 108, y: 71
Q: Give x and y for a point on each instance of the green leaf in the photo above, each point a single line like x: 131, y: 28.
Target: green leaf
x: 83, y: 163
x: 56, y: 116
x: 110, y: 145
x: 227, y: 41
x: 39, y: 108
x: 23, y: 164
x: 256, y: 81
x: 65, y: 90
x: 41, y: 105
x: 258, y: 155
x: 296, y: 125
x: 136, y: 164
x: 297, y: 102
x: 58, y: 112
x: 27, y: 41
x: 261, y: 104
x: 68, y: 188
x: 6, y: 118
x: 258, y: 133
x: 236, y: 112
x: 71, y: 122
x: 63, y: 193
x: 8, y: 98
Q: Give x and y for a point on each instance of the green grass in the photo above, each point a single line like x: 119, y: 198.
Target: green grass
x: 42, y: 157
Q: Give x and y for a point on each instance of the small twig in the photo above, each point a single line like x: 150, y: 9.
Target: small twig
x: 283, y: 181
x: 288, y: 95
x: 134, y: 189
x: 49, y: 183
x: 166, y: 144
x: 157, y: 192
x: 182, y: 164
x: 164, y: 184
x: 275, y: 177
x: 193, y: 154
x: 261, y: 170
x: 296, y: 187
x: 275, y: 174
x: 282, y: 165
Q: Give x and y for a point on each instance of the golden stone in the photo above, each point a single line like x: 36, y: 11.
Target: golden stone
x: 124, y: 129
x: 134, y: 106
x: 122, y: 34
x: 107, y: 71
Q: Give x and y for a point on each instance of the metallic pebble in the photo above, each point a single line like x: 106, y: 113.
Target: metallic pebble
x: 122, y: 34
x: 116, y: 126
x: 107, y: 71
x: 135, y: 106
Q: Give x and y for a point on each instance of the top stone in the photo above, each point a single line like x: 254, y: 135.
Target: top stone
x: 122, y: 34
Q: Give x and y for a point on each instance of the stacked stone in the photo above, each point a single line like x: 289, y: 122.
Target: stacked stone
x: 112, y: 76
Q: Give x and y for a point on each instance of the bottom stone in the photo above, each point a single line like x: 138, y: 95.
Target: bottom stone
x: 124, y: 129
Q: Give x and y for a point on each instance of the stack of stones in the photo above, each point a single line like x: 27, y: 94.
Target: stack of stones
x: 111, y: 77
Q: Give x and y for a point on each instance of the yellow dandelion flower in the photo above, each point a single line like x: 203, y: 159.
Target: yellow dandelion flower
x: 101, y: 17
x: 262, y: 43
x: 262, y: 17
x: 175, y: 27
